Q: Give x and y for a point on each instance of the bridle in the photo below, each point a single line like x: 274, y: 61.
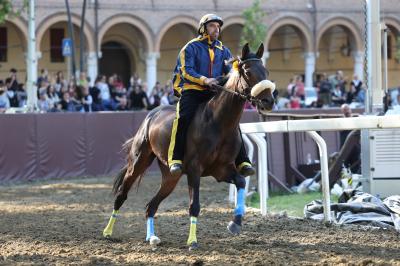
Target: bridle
x: 245, y: 96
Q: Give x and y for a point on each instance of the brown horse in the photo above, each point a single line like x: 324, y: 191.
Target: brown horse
x: 213, y: 141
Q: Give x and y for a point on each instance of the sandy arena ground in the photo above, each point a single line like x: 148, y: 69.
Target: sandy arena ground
x: 61, y: 222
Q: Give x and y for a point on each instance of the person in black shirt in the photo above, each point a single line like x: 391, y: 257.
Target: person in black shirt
x: 95, y: 93
x: 138, y: 99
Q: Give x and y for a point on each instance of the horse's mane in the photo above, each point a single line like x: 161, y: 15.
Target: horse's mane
x: 234, y: 76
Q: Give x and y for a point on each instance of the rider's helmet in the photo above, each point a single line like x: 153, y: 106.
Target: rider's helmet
x: 209, y: 18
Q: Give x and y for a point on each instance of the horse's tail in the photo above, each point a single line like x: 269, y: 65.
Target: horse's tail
x: 134, y: 148
x: 119, y: 179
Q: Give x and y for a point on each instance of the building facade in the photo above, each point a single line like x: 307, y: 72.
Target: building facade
x: 304, y: 37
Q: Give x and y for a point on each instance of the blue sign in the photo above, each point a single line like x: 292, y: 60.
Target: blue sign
x: 66, y: 47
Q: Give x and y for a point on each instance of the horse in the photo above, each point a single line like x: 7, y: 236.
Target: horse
x: 212, y: 143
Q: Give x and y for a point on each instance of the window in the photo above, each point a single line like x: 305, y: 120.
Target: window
x: 3, y: 44
x: 56, y: 37
x: 389, y: 47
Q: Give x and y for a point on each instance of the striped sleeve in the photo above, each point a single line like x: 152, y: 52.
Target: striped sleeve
x: 186, y: 60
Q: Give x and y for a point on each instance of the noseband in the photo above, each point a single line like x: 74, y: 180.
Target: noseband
x: 244, y: 96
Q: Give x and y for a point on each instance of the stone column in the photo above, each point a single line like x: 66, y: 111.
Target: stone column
x: 151, y: 70
x: 309, y: 62
x: 358, y: 57
x: 265, y: 58
x: 92, y: 63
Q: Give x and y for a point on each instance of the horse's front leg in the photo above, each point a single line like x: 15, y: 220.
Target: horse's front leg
x: 235, y: 226
x: 194, y: 209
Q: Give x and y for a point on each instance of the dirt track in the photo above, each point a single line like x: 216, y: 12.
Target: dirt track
x: 60, y: 222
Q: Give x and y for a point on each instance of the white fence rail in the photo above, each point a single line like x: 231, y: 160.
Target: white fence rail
x: 256, y: 131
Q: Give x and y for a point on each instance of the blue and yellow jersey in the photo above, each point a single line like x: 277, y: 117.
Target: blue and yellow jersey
x: 200, y: 59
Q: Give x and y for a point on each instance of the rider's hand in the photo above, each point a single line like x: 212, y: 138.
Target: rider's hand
x: 210, y: 81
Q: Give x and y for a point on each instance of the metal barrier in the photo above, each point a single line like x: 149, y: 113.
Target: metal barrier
x: 255, y: 131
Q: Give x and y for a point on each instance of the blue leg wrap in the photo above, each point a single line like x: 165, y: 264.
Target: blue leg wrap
x: 150, y: 228
x: 240, y: 204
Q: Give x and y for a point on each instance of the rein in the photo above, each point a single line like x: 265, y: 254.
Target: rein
x: 246, y: 97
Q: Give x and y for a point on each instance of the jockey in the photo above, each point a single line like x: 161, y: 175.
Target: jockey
x: 199, y: 63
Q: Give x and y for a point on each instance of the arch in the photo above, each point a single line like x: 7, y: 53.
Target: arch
x: 174, y: 21
x: 126, y: 43
x: 393, y: 22
x: 62, y: 17
x: 127, y: 19
x: 118, y: 60
x: 231, y: 34
x: 22, y: 26
x: 300, y: 27
x: 232, y: 21
x: 344, y: 22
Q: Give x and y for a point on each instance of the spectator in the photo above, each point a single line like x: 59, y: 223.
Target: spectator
x: 21, y: 95
x: 295, y: 102
x: 361, y: 96
x: 291, y: 88
x: 300, y: 92
x: 337, y: 96
x: 355, y: 88
x: 52, y: 95
x: 60, y: 82
x: 43, y: 76
x: 154, y: 99
x: 111, y: 87
x: 138, y: 98
x: 14, y: 81
x: 96, y: 95
x: 43, y: 103
x: 338, y: 80
x: 84, y: 98
x: 123, y: 105
x: 12, y: 88
x: 164, y: 99
x: 346, y: 111
x: 144, y: 88
x: 117, y: 81
x: 170, y: 89
x: 105, y: 95
x: 120, y: 92
x: 135, y: 80
x: 83, y: 80
x: 325, y: 90
x: 4, y: 101
x: 12, y: 95
x: 66, y: 103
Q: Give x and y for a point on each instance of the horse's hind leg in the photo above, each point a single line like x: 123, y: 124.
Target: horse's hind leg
x: 124, y: 181
x: 168, y: 184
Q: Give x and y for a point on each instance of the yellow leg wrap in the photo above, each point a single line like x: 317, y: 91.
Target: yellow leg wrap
x: 109, y: 228
x: 192, y: 233
x: 240, y: 166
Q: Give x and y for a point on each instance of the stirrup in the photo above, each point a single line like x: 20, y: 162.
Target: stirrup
x: 176, y: 169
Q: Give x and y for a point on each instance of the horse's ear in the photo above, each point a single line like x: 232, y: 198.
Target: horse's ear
x: 245, y: 51
x: 260, y: 51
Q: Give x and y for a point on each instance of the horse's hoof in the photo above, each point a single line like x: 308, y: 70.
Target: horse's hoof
x: 234, y: 228
x: 154, y: 241
x: 106, y: 234
x: 193, y: 246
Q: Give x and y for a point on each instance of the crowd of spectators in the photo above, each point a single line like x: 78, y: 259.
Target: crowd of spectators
x: 328, y: 91
x: 56, y: 93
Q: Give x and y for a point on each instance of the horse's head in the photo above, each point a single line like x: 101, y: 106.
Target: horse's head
x: 253, y: 79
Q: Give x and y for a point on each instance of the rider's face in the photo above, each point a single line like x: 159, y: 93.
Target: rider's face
x: 213, y: 29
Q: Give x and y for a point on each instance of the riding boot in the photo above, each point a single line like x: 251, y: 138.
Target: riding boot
x: 242, y: 161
